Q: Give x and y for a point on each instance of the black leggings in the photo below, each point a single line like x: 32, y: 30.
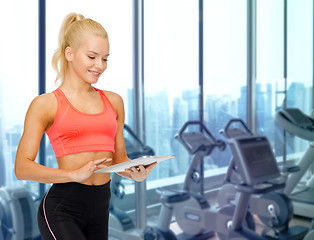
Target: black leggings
x: 75, y: 211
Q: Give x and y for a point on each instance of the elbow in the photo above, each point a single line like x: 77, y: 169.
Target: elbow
x: 18, y: 170
x: 18, y: 174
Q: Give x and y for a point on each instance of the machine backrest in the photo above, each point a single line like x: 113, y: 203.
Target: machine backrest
x: 255, y: 159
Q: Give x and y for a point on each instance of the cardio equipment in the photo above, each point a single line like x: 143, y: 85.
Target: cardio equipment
x: 294, y: 121
x: 193, y: 213
x: 18, y: 214
x: 274, y: 209
x: 257, y: 168
x: 187, y: 205
x: 255, y: 163
x: 121, y: 226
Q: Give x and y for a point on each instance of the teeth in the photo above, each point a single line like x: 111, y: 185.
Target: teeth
x: 95, y: 73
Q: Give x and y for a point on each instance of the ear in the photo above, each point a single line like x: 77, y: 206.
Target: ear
x: 68, y: 53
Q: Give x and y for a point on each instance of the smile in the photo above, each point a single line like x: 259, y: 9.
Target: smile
x: 94, y: 73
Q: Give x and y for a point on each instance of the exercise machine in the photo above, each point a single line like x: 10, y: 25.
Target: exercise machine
x: 274, y: 209
x: 121, y: 226
x: 256, y: 165
x: 310, y: 235
x: 257, y: 168
x: 295, y: 122
x: 18, y: 214
x: 194, y: 215
x: 199, y: 143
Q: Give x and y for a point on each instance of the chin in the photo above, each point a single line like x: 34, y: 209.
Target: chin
x: 92, y: 81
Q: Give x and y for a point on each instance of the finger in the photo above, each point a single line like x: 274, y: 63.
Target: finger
x: 108, y: 160
x: 100, y: 166
x: 102, y: 160
x: 134, y: 169
x: 151, y: 166
x: 141, y: 168
x: 133, y: 172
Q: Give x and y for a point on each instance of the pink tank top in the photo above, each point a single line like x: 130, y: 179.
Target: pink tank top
x: 73, y: 131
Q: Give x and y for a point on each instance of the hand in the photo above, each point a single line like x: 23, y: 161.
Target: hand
x: 87, y: 170
x: 140, y: 172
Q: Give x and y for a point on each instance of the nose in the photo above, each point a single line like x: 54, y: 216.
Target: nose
x: 101, y: 64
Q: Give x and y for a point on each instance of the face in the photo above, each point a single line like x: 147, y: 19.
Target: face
x: 89, y: 61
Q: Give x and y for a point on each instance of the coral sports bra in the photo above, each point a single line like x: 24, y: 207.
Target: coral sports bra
x: 73, y: 131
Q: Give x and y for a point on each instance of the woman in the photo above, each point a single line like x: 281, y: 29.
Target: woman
x: 85, y: 128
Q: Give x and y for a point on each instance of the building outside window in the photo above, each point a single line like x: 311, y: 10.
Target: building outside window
x: 225, y: 70
x: 272, y: 89
x: 18, y: 80
x: 171, y: 89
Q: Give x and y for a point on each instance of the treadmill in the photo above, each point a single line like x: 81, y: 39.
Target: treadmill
x: 294, y: 121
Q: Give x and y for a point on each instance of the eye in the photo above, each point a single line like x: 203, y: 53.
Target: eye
x: 105, y: 60
x: 91, y: 57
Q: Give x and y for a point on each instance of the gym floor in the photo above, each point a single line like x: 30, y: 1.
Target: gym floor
x: 295, y: 221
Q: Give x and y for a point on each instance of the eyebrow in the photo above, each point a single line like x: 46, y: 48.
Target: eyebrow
x: 98, y: 53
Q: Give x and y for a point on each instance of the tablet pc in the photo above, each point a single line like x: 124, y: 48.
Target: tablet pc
x: 145, y: 160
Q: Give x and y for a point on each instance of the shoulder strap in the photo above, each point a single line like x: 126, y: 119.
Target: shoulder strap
x: 58, y: 93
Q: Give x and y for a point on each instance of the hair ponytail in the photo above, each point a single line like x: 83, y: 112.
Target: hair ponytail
x: 70, y: 35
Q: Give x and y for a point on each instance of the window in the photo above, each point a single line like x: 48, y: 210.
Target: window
x: 270, y: 68
x: 300, y: 65
x: 171, y: 91
x: 18, y: 80
x: 225, y: 50
x: 271, y: 89
x: 300, y: 55
x: 171, y: 70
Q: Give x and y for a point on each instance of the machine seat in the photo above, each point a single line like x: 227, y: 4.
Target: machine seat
x: 173, y: 196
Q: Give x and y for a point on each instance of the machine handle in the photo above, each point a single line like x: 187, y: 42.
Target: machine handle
x: 146, y: 150
x: 180, y: 134
x: 236, y: 120
x: 215, y: 143
x: 130, y: 131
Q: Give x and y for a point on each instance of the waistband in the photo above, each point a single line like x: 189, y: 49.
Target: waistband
x: 80, y: 190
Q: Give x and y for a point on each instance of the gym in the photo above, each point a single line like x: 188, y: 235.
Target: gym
x: 219, y: 91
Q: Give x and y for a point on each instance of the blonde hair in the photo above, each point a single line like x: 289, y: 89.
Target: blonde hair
x: 71, y: 33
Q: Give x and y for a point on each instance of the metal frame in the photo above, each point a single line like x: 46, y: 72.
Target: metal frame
x: 251, y: 65
x: 42, y: 77
x: 138, y: 96
x: 201, y: 58
x: 285, y: 72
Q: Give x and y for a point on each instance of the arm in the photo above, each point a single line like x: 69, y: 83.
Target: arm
x: 120, y: 155
x: 37, y: 119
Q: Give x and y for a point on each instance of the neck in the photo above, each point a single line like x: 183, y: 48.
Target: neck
x: 74, y: 85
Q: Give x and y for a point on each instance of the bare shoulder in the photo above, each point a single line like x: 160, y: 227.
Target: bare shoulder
x: 44, y: 107
x: 116, y: 101
x: 114, y: 98
x: 44, y: 101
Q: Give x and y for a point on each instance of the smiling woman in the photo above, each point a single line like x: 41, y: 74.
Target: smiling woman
x: 85, y: 128
x: 76, y: 36
x: 91, y: 57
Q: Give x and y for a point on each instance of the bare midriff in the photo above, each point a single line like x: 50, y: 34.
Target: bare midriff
x: 76, y: 161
